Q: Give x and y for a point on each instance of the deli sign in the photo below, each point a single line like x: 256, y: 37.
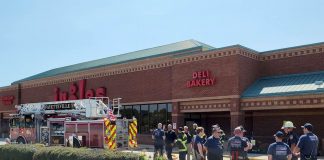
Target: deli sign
x: 200, y: 79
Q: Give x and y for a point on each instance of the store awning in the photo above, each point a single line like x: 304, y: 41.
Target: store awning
x: 286, y: 85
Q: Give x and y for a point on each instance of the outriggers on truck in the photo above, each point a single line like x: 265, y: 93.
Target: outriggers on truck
x: 61, y: 122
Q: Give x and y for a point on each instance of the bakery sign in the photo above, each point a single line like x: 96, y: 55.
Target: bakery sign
x: 200, y: 79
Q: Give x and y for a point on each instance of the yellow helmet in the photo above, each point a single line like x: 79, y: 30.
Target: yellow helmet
x: 288, y: 124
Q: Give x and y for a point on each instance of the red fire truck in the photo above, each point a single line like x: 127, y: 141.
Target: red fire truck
x: 57, y: 123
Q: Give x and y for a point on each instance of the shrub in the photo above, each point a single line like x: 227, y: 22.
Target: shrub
x: 18, y: 152
x: 38, y: 152
x: 65, y: 153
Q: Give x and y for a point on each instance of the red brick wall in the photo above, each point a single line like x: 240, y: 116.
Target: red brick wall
x: 292, y: 65
x: 249, y: 71
x: 157, y: 84
x: 224, y: 69
x: 4, y: 107
x: 150, y: 85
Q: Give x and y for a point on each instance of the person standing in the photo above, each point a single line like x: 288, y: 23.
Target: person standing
x: 170, y: 139
x: 245, y: 153
x: 307, y: 145
x: 188, y: 142
x: 237, y: 146
x: 198, y: 141
x: 194, y: 128
x: 158, y: 137
x: 279, y: 150
x: 291, y: 137
x: 213, y: 145
x: 181, y: 143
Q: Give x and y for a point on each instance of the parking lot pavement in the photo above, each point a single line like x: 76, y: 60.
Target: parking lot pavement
x: 148, y: 150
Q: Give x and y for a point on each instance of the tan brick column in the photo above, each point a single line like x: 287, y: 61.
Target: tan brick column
x: 237, y: 116
x: 177, y: 117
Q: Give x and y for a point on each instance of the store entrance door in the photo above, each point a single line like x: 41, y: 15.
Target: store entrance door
x: 192, y: 118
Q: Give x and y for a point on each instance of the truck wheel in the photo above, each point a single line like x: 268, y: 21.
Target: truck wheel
x: 21, y: 140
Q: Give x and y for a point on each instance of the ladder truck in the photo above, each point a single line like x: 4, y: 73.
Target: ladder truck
x: 57, y: 123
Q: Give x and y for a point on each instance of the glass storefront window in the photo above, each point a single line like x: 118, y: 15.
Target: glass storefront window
x: 137, y: 114
x: 169, y: 114
x: 128, y: 112
x: 148, y: 115
x: 144, y: 119
x: 153, y: 116
x: 162, y: 113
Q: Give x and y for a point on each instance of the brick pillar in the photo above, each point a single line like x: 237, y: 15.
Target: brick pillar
x: 237, y: 116
x: 177, y: 117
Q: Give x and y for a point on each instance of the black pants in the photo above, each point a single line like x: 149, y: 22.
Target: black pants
x: 158, y: 149
x: 215, y: 157
x: 182, y: 155
x: 168, y: 149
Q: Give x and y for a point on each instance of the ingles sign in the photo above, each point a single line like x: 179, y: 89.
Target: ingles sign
x: 7, y: 100
x: 78, y: 91
x: 201, y: 78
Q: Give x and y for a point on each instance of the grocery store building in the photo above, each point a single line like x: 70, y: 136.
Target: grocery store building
x: 189, y: 81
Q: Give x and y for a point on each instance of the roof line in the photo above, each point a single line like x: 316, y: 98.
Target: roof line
x: 136, y: 59
x: 292, y: 75
x: 294, y: 47
x: 286, y: 94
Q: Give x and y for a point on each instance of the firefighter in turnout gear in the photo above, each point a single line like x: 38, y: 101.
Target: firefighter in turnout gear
x: 181, y: 143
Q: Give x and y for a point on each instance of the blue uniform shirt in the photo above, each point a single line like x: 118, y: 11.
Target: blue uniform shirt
x: 279, y: 151
x: 158, y: 137
x: 236, y: 144
x: 291, y: 138
x: 308, y: 145
x: 215, y: 148
x: 245, y: 153
x: 236, y: 147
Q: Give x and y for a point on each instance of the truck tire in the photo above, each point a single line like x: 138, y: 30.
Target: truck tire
x: 21, y: 140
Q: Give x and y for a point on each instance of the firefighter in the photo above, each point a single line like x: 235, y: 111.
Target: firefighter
x: 243, y: 131
x: 198, y: 141
x: 213, y: 145
x: 181, y: 143
x: 76, y: 141
x: 307, y: 145
x: 158, y: 136
x: 189, y: 141
x: 291, y: 138
x: 222, y: 136
x: 237, y: 146
x: 170, y: 139
x: 279, y: 150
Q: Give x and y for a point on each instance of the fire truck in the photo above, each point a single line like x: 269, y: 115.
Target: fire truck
x: 94, y: 122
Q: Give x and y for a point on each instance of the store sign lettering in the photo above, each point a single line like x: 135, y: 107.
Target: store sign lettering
x: 201, y: 78
x: 7, y: 100
x: 77, y: 91
x: 61, y: 106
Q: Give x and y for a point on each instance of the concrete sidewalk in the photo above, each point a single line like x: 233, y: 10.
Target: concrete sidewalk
x: 149, y: 151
